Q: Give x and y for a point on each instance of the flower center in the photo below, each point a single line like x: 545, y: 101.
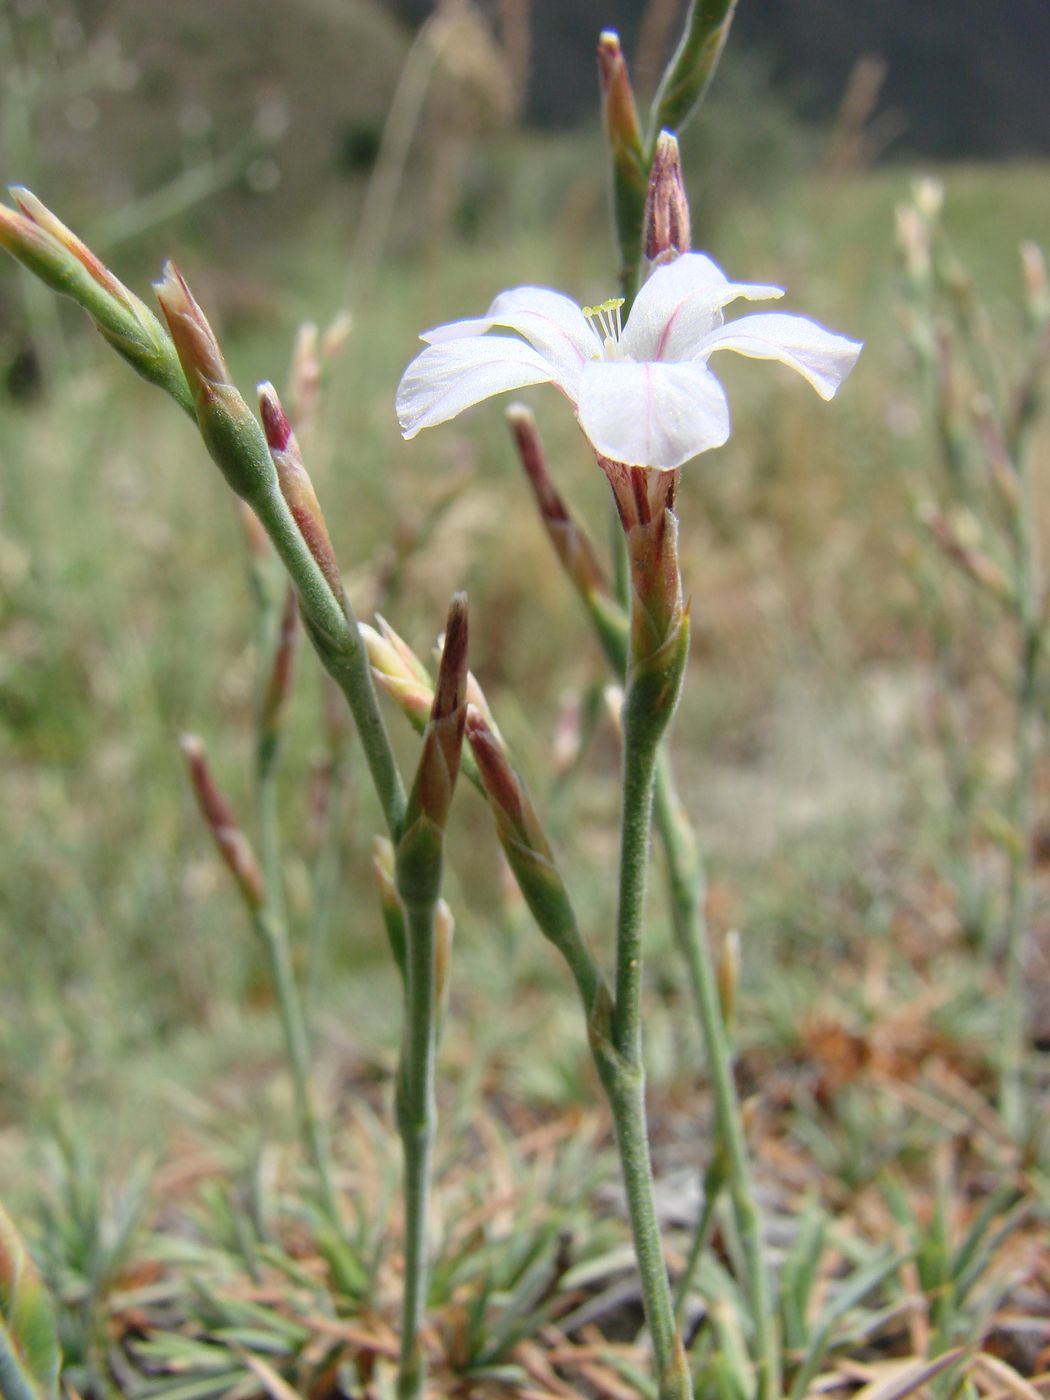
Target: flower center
x: 605, y: 318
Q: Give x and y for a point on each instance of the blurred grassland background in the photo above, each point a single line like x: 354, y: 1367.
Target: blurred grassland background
x: 124, y: 605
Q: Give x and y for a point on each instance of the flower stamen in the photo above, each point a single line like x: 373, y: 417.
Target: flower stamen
x: 606, y: 316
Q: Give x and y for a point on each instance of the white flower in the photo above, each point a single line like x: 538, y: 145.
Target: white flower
x: 643, y: 393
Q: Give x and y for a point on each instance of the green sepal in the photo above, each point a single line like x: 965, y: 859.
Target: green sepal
x: 153, y: 360
x: 654, y: 684
x: 419, y: 861
x: 236, y: 443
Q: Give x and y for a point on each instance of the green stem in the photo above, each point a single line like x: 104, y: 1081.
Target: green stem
x: 625, y: 1088
x: 685, y: 877
x: 692, y: 65
x: 639, y: 769
x: 327, y: 869
x: 273, y: 931
x: 416, y: 1123
x: 713, y: 1183
x: 332, y: 628
x: 623, y: 1070
x: 266, y: 756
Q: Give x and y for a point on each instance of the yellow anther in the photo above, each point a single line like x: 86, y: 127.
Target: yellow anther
x: 607, y: 314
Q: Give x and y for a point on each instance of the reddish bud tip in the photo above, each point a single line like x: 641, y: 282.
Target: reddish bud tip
x: 530, y: 449
x: 666, y: 228
x: 297, y: 488
x: 195, y: 341
x: 572, y: 546
x: 38, y: 212
x: 622, y: 127
x: 450, y: 693
x: 443, y: 737
x: 497, y: 776
x: 275, y: 424
x: 231, y: 841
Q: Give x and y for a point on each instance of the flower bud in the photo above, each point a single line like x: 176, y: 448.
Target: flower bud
x: 570, y: 543
x: 623, y: 135
x: 414, y: 696
x: 304, y: 378
x: 231, y: 841
x: 619, y: 113
x: 60, y: 259
x: 389, y: 904
x: 659, y: 635
x: 419, y: 851
x: 407, y: 657
x: 298, y: 490
x: 227, y: 425
x: 666, y: 230
x: 516, y: 818
x: 443, y: 741
x: 530, y: 857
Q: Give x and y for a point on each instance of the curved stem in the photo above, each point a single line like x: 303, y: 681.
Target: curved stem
x: 416, y: 1118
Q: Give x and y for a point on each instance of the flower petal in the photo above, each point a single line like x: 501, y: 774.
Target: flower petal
x: 552, y: 324
x: 652, y: 415
x: 819, y: 355
x: 445, y: 379
x: 680, y: 304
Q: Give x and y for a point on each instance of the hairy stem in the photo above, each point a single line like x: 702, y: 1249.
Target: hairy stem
x: 625, y: 1088
x: 623, y: 1071
x: 686, y: 883
x: 416, y: 1123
